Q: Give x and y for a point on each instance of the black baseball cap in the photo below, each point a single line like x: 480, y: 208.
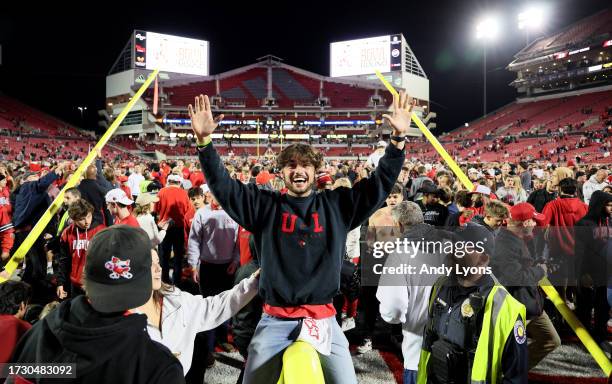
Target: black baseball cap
x: 477, y: 233
x: 118, y: 269
x: 429, y: 188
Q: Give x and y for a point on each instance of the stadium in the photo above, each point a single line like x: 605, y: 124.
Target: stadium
x: 539, y: 160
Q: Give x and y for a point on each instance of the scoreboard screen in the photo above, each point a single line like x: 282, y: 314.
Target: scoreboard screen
x: 170, y: 53
x: 365, y: 56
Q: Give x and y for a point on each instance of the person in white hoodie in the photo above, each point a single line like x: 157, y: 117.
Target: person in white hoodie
x: 174, y: 317
x: 404, y: 298
x: 595, y: 183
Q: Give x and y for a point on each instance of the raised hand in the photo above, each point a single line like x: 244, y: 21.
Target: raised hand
x: 402, y: 110
x: 202, y: 121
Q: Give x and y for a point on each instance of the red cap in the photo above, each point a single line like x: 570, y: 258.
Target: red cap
x: 323, y: 179
x: 524, y: 212
x: 571, y: 163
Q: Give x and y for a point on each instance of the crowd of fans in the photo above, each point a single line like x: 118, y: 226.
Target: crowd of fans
x: 204, y: 266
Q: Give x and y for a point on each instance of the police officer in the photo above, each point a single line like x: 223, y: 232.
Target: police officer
x: 475, y: 331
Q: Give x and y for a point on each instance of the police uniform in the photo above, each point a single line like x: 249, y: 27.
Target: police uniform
x: 473, y: 335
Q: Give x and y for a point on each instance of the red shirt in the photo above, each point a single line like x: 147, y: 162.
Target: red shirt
x: 11, y: 330
x: 562, y: 214
x: 243, y: 246
x: 129, y: 220
x: 173, y: 204
x: 197, y: 178
x: 127, y: 190
x: 264, y: 177
x: 320, y: 311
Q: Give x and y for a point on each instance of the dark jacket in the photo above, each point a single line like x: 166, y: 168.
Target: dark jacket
x: 92, y: 192
x: 434, y: 214
x: 540, y: 198
x: 301, y: 241
x: 514, y: 266
x: 106, y: 348
x: 104, y: 184
x: 479, y: 219
x: 31, y: 200
x: 593, y: 233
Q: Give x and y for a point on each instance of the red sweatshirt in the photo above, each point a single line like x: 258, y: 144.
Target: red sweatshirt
x: 562, y: 214
x: 243, y: 246
x: 11, y: 330
x: 197, y: 178
x: 173, y: 204
x: 6, y: 216
x: 73, y: 252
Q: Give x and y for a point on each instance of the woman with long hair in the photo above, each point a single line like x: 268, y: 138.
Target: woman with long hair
x: 145, y: 204
x: 520, y: 192
x: 185, y: 315
x: 512, y: 191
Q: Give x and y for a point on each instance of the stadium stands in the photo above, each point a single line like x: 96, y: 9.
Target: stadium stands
x: 594, y: 25
x: 18, y: 117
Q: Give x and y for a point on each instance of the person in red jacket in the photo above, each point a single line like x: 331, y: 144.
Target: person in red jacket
x: 196, y: 176
x: 14, y: 298
x: 6, y: 225
x: 561, y: 216
x: 118, y: 204
x: 74, y: 242
x: 173, y: 207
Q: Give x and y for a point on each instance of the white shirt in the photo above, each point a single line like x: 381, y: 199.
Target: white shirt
x: 405, y: 298
x: 353, y: 248
x: 147, y: 222
x: 184, y: 315
x: 134, y: 183
x: 374, y: 158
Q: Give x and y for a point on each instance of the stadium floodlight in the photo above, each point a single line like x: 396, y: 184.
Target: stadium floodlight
x: 487, y: 28
x: 531, y: 18
x: 82, y: 109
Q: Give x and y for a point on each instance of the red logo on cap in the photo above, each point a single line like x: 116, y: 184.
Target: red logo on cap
x: 119, y: 268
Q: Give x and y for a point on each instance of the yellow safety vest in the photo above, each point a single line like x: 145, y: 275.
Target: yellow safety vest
x: 501, y: 314
x: 62, y: 223
x: 144, y: 184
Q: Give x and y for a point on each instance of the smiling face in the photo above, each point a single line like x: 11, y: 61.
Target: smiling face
x: 298, y: 178
x: 156, y: 271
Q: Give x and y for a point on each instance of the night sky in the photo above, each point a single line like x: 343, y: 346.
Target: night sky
x: 55, y: 57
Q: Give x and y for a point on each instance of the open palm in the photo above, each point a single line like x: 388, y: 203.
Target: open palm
x: 402, y: 111
x: 202, y: 121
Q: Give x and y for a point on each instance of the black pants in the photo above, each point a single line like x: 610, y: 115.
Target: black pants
x: 36, y: 269
x: 590, y: 299
x: 369, y: 306
x: 213, y: 280
x: 174, y: 241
